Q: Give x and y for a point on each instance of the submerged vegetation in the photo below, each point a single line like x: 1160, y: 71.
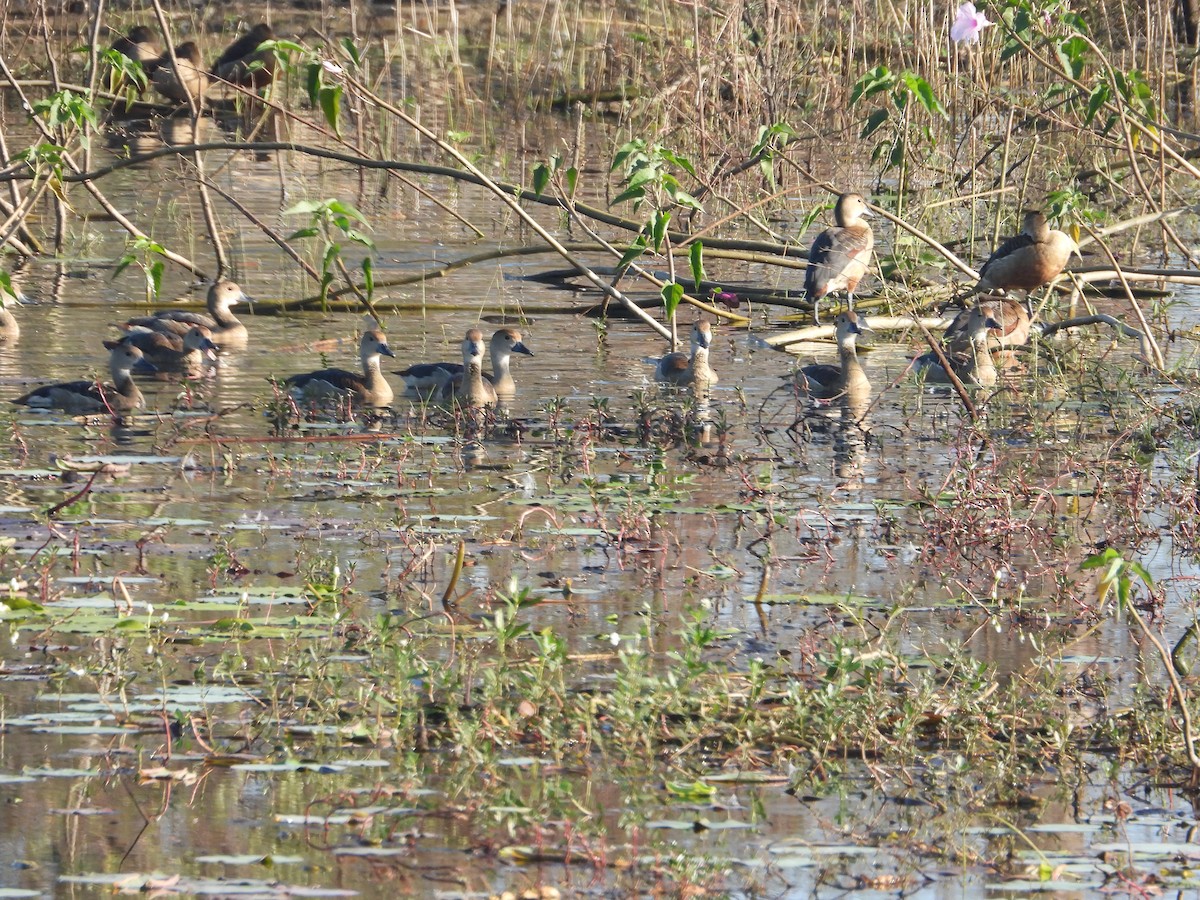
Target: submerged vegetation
x: 718, y: 639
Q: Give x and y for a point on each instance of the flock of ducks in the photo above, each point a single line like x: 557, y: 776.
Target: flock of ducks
x: 242, y: 63
x: 838, y: 260
x: 188, y: 342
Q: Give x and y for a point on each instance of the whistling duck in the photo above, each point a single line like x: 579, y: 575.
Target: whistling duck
x: 428, y: 379
x: 1033, y: 258
x: 190, y: 78
x: 975, y: 366
x: 823, y: 380
x: 1011, y: 314
x: 193, y: 352
x: 680, y: 369
x: 91, y: 396
x: 468, y: 386
x: 226, y: 329
x: 243, y: 64
x: 840, y: 255
x: 370, y: 388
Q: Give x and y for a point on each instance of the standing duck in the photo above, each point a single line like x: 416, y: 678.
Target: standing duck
x: 227, y: 331
x: 428, y: 379
x: 77, y: 397
x: 468, y: 387
x: 369, y: 389
x: 682, y: 370
x: 975, y: 365
x: 825, y: 381
x: 1033, y: 258
x: 244, y: 64
x: 840, y: 255
x: 189, y: 78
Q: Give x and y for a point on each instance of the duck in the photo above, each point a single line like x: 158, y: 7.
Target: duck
x: 840, y: 255
x: 244, y: 64
x: 428, y: 379
x: 468, y: 387
x: 683, y: 370
x: 139, y: 46
x: 121, y: 396
x: 370, y: 388
x: 189, y: 79
x: 1015, y: 324
x: 976, y: 365
x: 1035, y: 257
x: 226, y: 330
x: 825, y: 381
x: 193, y: 352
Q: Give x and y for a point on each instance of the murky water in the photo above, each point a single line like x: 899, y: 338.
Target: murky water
x: 223, y: 514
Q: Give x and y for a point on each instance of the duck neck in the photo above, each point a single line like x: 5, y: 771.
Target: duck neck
x: 852, y: 369
x: 474, y: 380
x: 124, y: 384
x: 502, y: 378
x: 983, y: 367
x: 371, y: 372
x: 223, y: 317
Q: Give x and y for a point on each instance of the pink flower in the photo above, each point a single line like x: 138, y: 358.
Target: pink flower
x: 968, y: 24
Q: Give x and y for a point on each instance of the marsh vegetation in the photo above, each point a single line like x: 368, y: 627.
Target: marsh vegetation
x: 602, y: 635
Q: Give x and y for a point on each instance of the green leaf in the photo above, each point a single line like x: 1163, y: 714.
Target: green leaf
x: 626, y: 151
x: 124, y: 263
x: 682, y: 161
x: 923, y: 91
x: 659, y: 231
x: 683, y: 198
x: 1096, y: 101
x: 643, y: 175
x: 541, y: 178
x: 358, y: 237
x: 305, y: 208
x: 874, y: 120
x: 696, y: 258
x: 6, y: 287
x: 331, y: 105
x: 635, y: 194
x: 766, y: 167
x: 352, y: 51
x: 368, y: 269
x: 332, y: 250
x: 343, y: 208
x: 636, y: 249
x: 280, y: 45
x: 672, y: 294
x: 1099, y: 560
x: 1071, y: 54
x: 572, y: 175
x: 155, y: 274
x: 312, y: 82
x: 871, y: 83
